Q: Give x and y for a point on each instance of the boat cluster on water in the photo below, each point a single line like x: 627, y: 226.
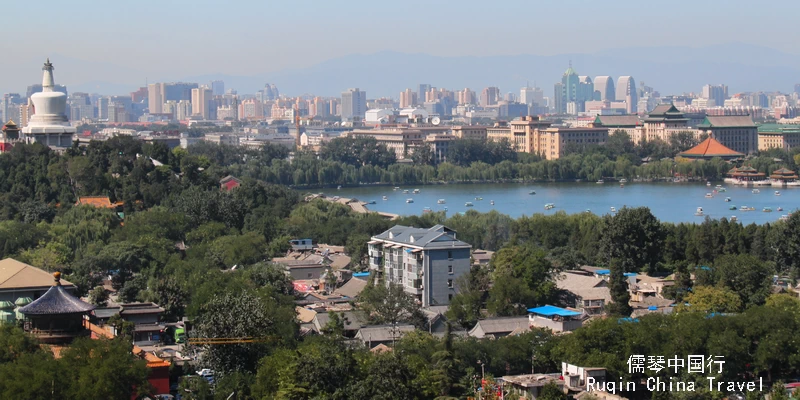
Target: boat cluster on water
x: 722, y: 189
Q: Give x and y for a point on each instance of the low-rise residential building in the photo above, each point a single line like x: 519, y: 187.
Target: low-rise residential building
x: 375, y: 335
x: 584, y: 292
x: 555, y: 318
x: 576, y: 378
x: 498, y: 327
x: 425, y: 261
x: 222, y: 138
x: 469, y: 132
x: 20, y: 281
x: 529, y: 386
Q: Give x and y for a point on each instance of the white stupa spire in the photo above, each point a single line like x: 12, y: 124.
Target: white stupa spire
x: 47, y: 77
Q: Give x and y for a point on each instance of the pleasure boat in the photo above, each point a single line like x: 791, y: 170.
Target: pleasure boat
x: 732, y: 208
x: 733, y: 218
x: 491, y: 202
x: 339, y: 187
x: 709, y: 195
x: 468, y: 204
x: 416, y: 191
x: 708, y: 183
x: 396, y: 188
x: 777, y: 193
x: 613, y: 210
x: 532, y: 192
x: 623, y: 180
x: 699, y: 212
x: 405, y: 191
x: 746, y: 208
x: 479, y: 198
x: 409, y: 200
x: 426, y: 210
x: 784, y: 217
x: 600, y: 181
x: 779, y: 209
x: 386, y: 197
x: 549, y: 206
x: 767, y: 209
x: 371, y: 202
x: 756, y: 191
x: 727, y: 199
x: 622, y: 185
x: 440, y: 201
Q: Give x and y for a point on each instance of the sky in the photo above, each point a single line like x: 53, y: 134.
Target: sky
x: 170, y: 39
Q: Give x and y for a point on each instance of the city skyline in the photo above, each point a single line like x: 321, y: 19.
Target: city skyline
x: 157, y: 42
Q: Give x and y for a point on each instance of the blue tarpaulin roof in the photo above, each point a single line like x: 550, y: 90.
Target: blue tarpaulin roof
x: 553, y: 310
x: 360, y: 274
x: 627, y: 319
x: 602, y: 271
x: 630, y: 274
x: 652, y: 308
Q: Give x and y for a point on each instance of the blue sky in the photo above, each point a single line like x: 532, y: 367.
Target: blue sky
x: 184, y: 38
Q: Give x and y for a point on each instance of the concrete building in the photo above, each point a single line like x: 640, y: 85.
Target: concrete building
x: 737, y: 132
x: 490, y: 96
x: 354, y: 104
x: 422, y: 89
x: 202, y: 103
x: 604, y: 88
x: 155, y: 98
x: 781, y: 136
x: 523, y: 133
x: 630, y: 124
x: 470, y: 132
x: 466, y: 96
x: 626, y: 91
x: 553, y: 142
x: 715, y: 94
x: 426, y: 262
x: 218, y: 88
x: 49, y: 125
x: 20, y: 281
x: 408, y: 98
x: 555, y: 318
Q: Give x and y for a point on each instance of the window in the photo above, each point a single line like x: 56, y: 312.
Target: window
x: 450, y: 296
x: 309, y: 275
x: 449, y: 269
x: 450, y: 283
x: 450, y: 254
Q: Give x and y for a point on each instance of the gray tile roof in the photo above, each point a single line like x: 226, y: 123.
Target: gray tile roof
x: 501, y: 325
x: 352, y: 288
x: 619, y: 120
x: 383, y: 333
x: 436, y: 237
x: 57, y: 301
x: 353, y: 320
x: 728, y: 121
x: 586, y: 287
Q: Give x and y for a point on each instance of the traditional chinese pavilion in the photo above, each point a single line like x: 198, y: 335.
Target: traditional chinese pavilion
x: 56, y: 317
x: 747, y: 174
x: 711, y: 148
x: 783, y: 175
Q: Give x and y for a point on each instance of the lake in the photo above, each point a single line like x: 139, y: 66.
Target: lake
x: 670, y: 202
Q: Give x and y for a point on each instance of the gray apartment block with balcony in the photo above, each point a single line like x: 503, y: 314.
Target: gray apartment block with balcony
x: 425, y: 261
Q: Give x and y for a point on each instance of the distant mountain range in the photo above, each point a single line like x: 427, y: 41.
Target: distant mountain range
x: 670, y: 70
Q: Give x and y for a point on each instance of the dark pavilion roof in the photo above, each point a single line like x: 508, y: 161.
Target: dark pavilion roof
x: 57, y: 301
x: 664, y: 112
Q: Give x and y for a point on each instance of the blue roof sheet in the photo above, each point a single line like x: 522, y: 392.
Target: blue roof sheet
x: 630, y: 274
x: 652, y: 308
x: 360, y: 274
x: 549, y: 310
x: 602, y: 271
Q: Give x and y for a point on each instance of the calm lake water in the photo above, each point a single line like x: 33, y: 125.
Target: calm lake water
x: 670, y: 202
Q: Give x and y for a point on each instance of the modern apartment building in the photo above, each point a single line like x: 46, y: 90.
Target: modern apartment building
x: 354, y: 104
x: 425, y: 261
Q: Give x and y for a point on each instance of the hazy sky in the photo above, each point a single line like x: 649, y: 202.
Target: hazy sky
x: 176, y: 38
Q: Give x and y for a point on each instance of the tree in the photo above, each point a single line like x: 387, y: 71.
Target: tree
x: 111, y: 372
x: 779, y: 391
x: 465, y: 306
x: 386, y: 377
x: 98, y: 296
x: 242, y: 315
x: 634, y: 237
x: 390, y: 305
x: 747, y: 276
x: 171, y: 296
x: 523, y: 278
x: 618, y: 286
x: 550, y: 391
x: 707, y: 299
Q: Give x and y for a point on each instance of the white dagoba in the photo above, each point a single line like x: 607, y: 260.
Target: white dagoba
x: 49, y: 124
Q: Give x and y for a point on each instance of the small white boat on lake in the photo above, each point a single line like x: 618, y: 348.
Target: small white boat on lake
x: 756, y: 191
x: 468, y: 204
x: 440, y: 201
x: 709, y: 195
x: 549, y: 206
x: 777, y: 193
x: 386, y: 197
x: 699, y: 212
x: 613, y: 210
x: 409, y: 200
x: 416, y: 191
x: 532, y: 192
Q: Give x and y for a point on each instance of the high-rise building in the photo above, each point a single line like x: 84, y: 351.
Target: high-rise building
x: 717, y: 93
x: 155, y: 98
x: 80, y: 106
x: 466, y: 96
x: 354, y: 104
x: 321, y: 107
x: 626, y: 91
x: 102, y: 108
x: 183, y: 110
x: 408, y: 98
x: 139, y: 96
x: 604, y: 88
x: 558, y: 98
x: 423, y: 88
x: 585, y: 90
x: 490, y: 96
x: 218, y: 88
x: 202, y: 103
